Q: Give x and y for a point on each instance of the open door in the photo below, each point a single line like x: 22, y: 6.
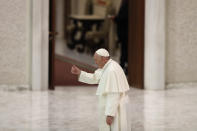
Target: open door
x: 135, y: 47
x: 52, y: 34
x: 59, y: 64
x: 136, y: 43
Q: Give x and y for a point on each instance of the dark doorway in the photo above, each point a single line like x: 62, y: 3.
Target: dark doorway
x: 135, y: 45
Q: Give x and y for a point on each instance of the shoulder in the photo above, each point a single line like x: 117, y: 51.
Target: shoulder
x: 114, y: 67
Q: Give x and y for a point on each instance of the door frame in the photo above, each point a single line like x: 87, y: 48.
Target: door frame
x: 40, y: 48
x: 52, y: 34
x: 40, y: 44
x: 136, y: 43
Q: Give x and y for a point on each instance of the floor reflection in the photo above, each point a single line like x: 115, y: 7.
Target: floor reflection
x: 154, y: 111
x: 75, y: 109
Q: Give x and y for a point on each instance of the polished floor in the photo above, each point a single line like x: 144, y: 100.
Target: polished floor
x: 75, y: 109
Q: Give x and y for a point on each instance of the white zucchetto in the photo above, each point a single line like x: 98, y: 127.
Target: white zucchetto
x: 102, y: 52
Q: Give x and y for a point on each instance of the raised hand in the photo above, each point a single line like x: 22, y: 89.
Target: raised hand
x: 75, y: 70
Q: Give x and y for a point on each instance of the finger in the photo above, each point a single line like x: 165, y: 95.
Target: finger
x: 108, y: 121
x: 74, y: 66
x: 72, y: 69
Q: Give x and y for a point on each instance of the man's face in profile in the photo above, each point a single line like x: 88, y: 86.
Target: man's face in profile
x: 98, y: 60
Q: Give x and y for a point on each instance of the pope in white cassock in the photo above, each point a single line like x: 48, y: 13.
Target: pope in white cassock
x: 112, y: 92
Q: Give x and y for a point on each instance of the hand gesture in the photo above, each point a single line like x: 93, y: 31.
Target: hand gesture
x: 75, y: 70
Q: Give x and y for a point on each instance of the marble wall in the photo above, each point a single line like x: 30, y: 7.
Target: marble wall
x: 16, y: 50
x: 154, y: 71
x: 14, y: 42
x: 181, y: 39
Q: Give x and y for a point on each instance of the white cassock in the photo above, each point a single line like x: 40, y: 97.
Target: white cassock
x: 112, y: 92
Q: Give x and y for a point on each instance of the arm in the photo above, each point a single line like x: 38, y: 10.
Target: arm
x: 111, y: 106
x: 85, y: 77
x: 88, y: 78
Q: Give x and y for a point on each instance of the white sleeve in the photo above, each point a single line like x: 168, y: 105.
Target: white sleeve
x: 112, y: 104
x: 89, y: 78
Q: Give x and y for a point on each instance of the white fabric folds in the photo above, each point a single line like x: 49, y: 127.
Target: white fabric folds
x: 111, y: 91
x: 113, y: 79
